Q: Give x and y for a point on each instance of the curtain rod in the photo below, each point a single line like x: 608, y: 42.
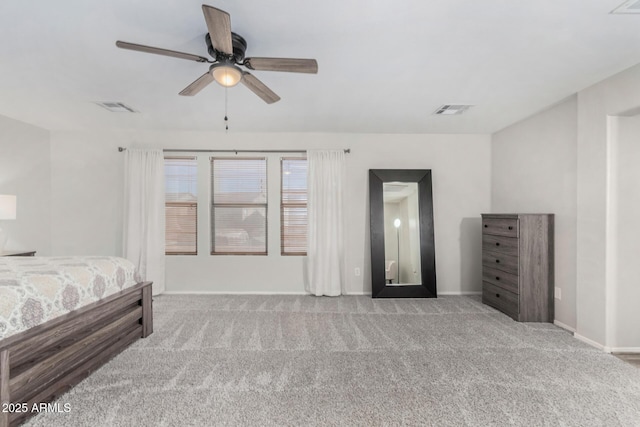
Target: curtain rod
x: 176, y: 150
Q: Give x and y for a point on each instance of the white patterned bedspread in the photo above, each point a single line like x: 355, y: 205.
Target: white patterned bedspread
x: 36, y: 289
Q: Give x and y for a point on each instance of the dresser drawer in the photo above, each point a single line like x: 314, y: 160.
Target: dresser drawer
x: 500, y: 261
x: 500, y: 226
x: 500, y: 278
x: 500, y: 244
x: 498, y: 298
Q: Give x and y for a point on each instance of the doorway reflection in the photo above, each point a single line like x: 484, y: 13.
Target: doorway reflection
x: 401, y: 233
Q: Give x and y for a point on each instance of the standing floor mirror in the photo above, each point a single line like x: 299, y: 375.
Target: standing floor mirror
x: 403, y: 262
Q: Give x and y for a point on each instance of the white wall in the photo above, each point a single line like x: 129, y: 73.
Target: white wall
x: 534, y: 171
x: 596, y: 307
x: 588, y: 158
x: 25, y: 172
x: 624, y: 200
x: 87, y: 189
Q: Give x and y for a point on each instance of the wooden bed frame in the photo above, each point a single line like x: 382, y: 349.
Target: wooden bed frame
x: 41, y: 363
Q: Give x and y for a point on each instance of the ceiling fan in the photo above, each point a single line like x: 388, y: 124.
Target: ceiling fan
x: 227, y: 50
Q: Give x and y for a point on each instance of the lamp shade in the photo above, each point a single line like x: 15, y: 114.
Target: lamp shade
x: 7, y: 206
x: 226, y: 75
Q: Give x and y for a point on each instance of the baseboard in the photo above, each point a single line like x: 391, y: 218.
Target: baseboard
x: 605, y: 348
x: 232, y: 293
x: 460, y: 293
x: 590, y: 342
x: 439, y: 293
x: 360, y: 293
x: 563, y: 326
x: 632, y: 350
x: 251, y: 293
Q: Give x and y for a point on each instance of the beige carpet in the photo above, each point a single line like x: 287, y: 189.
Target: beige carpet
x: 302, y: 360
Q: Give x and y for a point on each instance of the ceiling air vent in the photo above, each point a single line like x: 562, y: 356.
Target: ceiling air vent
x: 449, y: 109
x: 116, y: 107
x: 630, y: 6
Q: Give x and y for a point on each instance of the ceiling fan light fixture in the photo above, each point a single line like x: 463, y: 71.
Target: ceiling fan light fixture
x: 226, y: 75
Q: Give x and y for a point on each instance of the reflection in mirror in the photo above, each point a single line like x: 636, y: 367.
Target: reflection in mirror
x: 401, y: 233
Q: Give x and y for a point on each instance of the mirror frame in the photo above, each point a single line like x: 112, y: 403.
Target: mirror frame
x: 379, y: 288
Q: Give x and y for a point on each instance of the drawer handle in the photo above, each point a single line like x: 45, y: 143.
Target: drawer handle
x: 497, y: 295
x: 486, y: 226
x: 497, y: 278
x: 510, y: 227
x: 497, y: 261
x: 497, y: 243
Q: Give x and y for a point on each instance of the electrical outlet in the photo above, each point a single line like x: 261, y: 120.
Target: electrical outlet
x: 357, y: 271
x: 558, y: 293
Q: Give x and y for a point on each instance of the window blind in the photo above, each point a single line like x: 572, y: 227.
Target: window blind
x: 293, y: 206
x: 239, y: 206
x: 181, y: 205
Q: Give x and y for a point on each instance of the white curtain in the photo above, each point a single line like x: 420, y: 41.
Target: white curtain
x: 325, y: 212
x: 144, y: 228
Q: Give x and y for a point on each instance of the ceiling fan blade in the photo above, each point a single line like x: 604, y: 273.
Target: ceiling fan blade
x: 219, y: 25
x: 259, y: 88
x: 198, y: 85
x: 160, y: 51
x: 292, y: 65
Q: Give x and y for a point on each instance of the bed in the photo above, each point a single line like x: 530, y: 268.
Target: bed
x: 61, y: 318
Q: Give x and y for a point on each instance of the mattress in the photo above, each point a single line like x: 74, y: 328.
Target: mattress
x: 34, y: 290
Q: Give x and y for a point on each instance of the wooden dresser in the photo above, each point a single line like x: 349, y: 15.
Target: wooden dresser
x: 517, y: 265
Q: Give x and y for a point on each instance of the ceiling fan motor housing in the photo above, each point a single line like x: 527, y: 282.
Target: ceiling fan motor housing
x: 239, y: 48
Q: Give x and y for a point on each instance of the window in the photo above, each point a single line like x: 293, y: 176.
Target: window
x: 293, y: 207
x: 238, y: 206
x: 181, y: 205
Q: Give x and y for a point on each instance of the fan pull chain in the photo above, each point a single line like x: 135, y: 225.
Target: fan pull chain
x: 226, y: 119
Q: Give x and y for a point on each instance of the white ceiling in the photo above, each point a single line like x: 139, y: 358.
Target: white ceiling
x: 384, y: 66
